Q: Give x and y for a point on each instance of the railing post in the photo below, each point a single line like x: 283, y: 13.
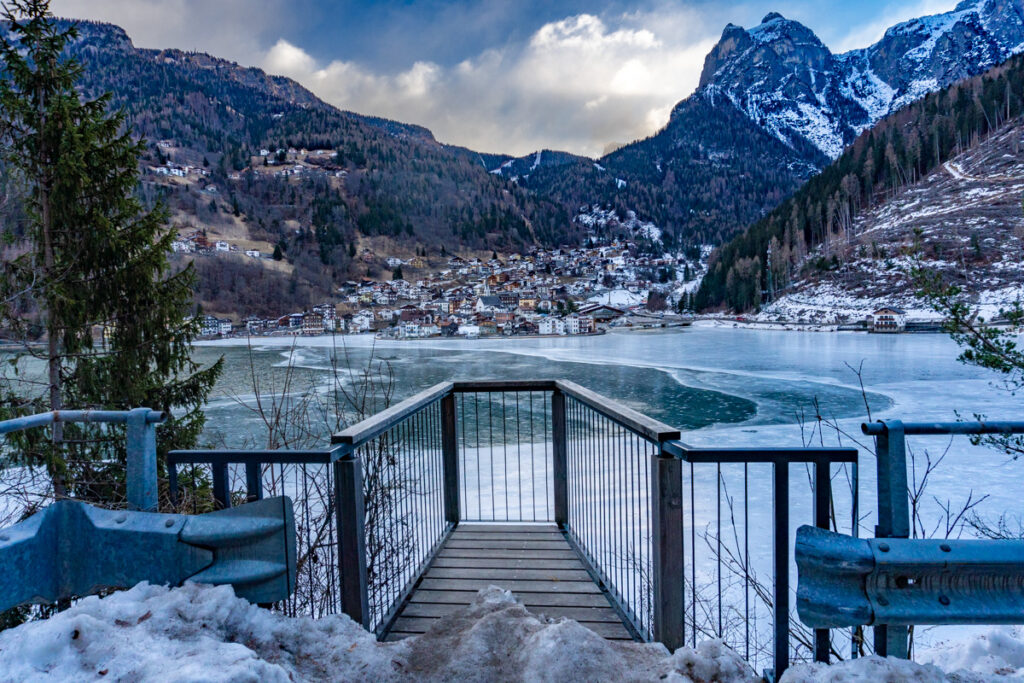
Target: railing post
x: 141, y: 469
x: 559, y: 466
x: 780, y: 556
x: 348, y: 497
x: 893, y: 519
x: 221, y: 490
x: 450, y: 456
x: 822, y: 517
x: 667, y: 550
x: 253, y: 482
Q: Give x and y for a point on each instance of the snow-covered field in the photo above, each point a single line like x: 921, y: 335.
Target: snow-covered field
x: 205, y: 633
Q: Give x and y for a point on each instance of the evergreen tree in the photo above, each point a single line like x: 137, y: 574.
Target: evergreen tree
x: 397, y: 273
x: 95, y: 261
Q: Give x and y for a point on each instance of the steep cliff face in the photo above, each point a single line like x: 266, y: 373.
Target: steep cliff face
x: 791, y: 85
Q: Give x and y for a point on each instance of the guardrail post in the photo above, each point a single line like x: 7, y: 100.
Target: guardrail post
x: 893, y: 519
x: 822, y: 509
x: 559, y: 466
x: 450, y: 456
x: 141, y: 470
x: 667, y: 550
x: 351, y: 529
x: 780, y: 557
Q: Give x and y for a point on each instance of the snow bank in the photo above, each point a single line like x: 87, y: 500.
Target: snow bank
x: 204, y: 633
x: 976, y: 655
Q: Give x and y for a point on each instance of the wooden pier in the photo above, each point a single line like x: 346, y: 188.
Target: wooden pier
x: 534, y: 561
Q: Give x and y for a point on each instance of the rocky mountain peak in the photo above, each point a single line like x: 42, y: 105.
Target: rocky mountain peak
x: 788, y: 82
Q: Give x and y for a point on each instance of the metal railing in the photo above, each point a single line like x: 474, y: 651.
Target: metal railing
x: 627, y: 494
x: 141, y: 468
x: 894, y: 519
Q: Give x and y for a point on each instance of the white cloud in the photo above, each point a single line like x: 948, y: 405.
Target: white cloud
x: 230, y: 29
x: 576, y: 84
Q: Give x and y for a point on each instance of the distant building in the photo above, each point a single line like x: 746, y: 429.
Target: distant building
x: 888, y: 320
x: 312, y: 323
x: 222, y: 246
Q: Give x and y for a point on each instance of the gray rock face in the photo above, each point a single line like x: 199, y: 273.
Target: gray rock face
x: 781, y: 76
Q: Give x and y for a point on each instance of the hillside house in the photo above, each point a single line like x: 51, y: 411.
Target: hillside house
x: 888, y: 320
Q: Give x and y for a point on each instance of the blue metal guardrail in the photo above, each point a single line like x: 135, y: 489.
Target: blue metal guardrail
x: 891, y: 582
x: 71, y: 548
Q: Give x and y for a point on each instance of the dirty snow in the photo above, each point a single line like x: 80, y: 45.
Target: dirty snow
x: 205, y: 633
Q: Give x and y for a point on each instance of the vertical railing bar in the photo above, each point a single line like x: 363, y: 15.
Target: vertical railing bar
x: 822, y: 506
x: 490, y: 432
x: 746, y: 558
x: 519, y: 464
x: 621, y: 516
x: 548, y: 401
x: 504, y: 452
x: 780, y: 553
x: 693, y: 552
x: 631, y: 520
x: 718, y: 542
x: 533, y: 462
x: 855, y: 532
x: 479, y: 458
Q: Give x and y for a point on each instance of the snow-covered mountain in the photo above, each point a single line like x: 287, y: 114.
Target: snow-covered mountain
x: 789, y: 83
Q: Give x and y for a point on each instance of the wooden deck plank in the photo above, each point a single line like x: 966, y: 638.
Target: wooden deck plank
x: 566, y: 554
x: 581, y: 614
x: 528, y: 599
x: 503, y: 563
x: 507, y: 574
x: 476, y: 527
x: 533, y: 561
x: 511, y: 585
x: 506, y: 536
x: 506, y: 545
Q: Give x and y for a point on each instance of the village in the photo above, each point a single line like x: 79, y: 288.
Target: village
x: 546, y: 292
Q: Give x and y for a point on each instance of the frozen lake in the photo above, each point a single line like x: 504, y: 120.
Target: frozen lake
x: 721, y: 386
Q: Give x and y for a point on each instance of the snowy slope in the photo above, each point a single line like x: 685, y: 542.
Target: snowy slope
x: 965, y: 220
x: 781, y: 76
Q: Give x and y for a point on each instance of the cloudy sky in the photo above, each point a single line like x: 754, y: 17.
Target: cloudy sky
x: 494, y: 75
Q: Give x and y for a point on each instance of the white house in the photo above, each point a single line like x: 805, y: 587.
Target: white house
x: 222, y: 246
x: 579, y: 324
x: 551, y: 325
x: 252, y: 253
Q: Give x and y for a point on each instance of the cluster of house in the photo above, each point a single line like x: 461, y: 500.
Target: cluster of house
x: 322, y: 319
x: 197, y: 243
x: 179, y: 170
x: 544, y: 292
x: 293, y: 162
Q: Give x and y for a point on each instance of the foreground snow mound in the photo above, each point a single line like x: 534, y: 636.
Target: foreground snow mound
x: 974, y: 655
x: 205, y: 633
x: 870, y: 669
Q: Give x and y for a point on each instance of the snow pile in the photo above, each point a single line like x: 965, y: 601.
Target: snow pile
x: 204, y: 633
x: 867, y: 670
